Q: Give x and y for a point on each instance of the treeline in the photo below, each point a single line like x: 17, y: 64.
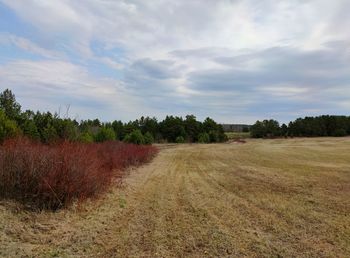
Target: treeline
x: 326, y: 125
x: 47, y: 127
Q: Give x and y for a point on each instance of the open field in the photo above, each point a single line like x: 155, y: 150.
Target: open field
x: 265, y: 198
x: 237, y: 135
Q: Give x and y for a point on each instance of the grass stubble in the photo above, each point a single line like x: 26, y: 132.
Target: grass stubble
x: 265, y: 198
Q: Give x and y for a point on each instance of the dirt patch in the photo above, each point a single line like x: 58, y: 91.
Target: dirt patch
x: 237, y: 141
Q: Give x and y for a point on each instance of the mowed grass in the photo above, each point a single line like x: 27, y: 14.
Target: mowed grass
x: 237, y: 135
x: 265, y: 198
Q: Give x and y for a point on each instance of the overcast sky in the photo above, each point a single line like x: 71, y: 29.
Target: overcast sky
x: 235, y: 61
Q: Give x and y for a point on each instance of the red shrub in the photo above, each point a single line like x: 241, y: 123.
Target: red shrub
x: 53, y: 176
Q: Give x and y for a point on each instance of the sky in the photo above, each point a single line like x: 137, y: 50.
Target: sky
x: 233, y: 60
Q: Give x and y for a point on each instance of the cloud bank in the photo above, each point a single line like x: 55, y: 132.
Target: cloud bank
x: 236, y: 61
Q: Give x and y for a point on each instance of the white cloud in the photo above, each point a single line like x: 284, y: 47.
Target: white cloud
x: 46, y: 85
x: 29, y: 46
x: 149, y: 28
x: 285, y: 91
x: 219, y: 58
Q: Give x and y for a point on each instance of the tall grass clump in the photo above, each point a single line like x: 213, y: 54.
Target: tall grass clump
x: 53, y: 176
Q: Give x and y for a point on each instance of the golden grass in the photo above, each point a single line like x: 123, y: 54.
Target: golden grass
x: 237, y: 135
x: 265, y: 198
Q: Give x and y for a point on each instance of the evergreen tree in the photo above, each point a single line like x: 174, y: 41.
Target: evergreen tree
x: 105, y: 134
x: 203, y: 138
x: 135, y: 137
x: 148, y: 137
x: 8, y: 128
x: 30, y: 129
x: 9, y: 105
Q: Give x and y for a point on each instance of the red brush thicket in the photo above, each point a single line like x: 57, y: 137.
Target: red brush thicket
x: 53, y: 176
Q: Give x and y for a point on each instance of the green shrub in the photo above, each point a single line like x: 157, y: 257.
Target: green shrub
x: 86, y: 137
x: 66, y: 129
x: 105, y: 134
x: 135, y: 137
x: 203, y: 138
x: 49, y: 134
x: 148, y: 137
x: 8, y: 128
x: 30, y: 129
x: 214, y: 136
x: 180, y: 139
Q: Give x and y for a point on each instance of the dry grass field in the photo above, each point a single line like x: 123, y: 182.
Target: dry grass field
x: 265, y: 198
x: 237, y: 135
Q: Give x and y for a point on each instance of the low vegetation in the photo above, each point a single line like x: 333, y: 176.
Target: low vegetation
x: 237, y: 135
x: 53, y: 176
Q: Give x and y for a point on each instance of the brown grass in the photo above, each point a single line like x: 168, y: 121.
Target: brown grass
x: 265, y: 198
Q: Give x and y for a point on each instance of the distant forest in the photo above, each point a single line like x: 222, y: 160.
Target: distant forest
x: 48, y: 128
x: 319, y: 126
